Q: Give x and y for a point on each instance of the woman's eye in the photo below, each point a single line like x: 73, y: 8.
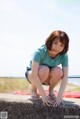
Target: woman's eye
x: 55, y: 43
x: 62, y: 45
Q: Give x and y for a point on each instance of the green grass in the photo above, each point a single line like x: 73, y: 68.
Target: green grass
x: 76, y: 89
x: 73, y: 87
x: 12, y: 84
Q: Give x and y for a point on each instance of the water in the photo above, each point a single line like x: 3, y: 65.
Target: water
x: 75, y: 81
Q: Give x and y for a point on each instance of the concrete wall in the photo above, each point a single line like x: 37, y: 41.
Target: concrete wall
x: 22, y: 107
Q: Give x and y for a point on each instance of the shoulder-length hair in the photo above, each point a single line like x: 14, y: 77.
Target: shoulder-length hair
x: 61, y: 36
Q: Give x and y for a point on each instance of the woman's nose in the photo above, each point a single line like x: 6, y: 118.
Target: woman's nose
x: 58, y: 48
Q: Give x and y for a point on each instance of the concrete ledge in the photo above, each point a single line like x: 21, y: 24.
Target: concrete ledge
x: 22, y: 107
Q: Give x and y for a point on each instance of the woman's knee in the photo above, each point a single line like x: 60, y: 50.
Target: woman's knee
x: 43, y: 72
x: 57, y: 72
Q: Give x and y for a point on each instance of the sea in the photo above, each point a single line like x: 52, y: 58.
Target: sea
x: 74, y: 80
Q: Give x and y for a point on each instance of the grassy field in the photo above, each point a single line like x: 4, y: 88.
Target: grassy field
x: 11, y: 84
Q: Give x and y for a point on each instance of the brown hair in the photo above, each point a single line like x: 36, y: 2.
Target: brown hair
x: 61, y: 36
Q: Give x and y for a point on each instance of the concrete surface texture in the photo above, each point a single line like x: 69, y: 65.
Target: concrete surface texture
x: 22, y: 107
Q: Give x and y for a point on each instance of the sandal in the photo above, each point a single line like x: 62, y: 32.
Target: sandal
x: 34, y: 96
x: 52, y: 96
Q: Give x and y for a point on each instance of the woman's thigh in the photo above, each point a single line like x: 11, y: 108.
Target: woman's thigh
x: 43, y: 73
x: 55, y: 73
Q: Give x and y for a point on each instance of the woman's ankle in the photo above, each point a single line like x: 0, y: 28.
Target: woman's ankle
x: 50, y: 91
x: 33, y: 91
x: 34, y: 94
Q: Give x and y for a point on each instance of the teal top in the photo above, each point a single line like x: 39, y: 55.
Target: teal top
x: 42, y: 57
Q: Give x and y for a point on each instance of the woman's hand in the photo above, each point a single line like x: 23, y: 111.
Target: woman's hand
x: 46, y: 101
x: 58, y: 101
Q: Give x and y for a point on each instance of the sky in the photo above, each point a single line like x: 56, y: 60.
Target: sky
x: 24, y: 26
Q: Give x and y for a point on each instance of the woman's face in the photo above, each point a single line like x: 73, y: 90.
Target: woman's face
x: 57, y: 47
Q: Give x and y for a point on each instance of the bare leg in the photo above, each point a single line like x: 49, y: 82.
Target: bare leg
x: 55, y: 77
x: 34, y: 94
x: 33, y: 87
x: 43, y: 75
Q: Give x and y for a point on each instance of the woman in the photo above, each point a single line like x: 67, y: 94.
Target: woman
x: 45, y: 69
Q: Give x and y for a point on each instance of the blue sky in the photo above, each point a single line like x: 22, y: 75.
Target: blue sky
x: 24, y: 26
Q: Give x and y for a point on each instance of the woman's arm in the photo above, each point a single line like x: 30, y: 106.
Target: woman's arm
x: 63, y: 84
